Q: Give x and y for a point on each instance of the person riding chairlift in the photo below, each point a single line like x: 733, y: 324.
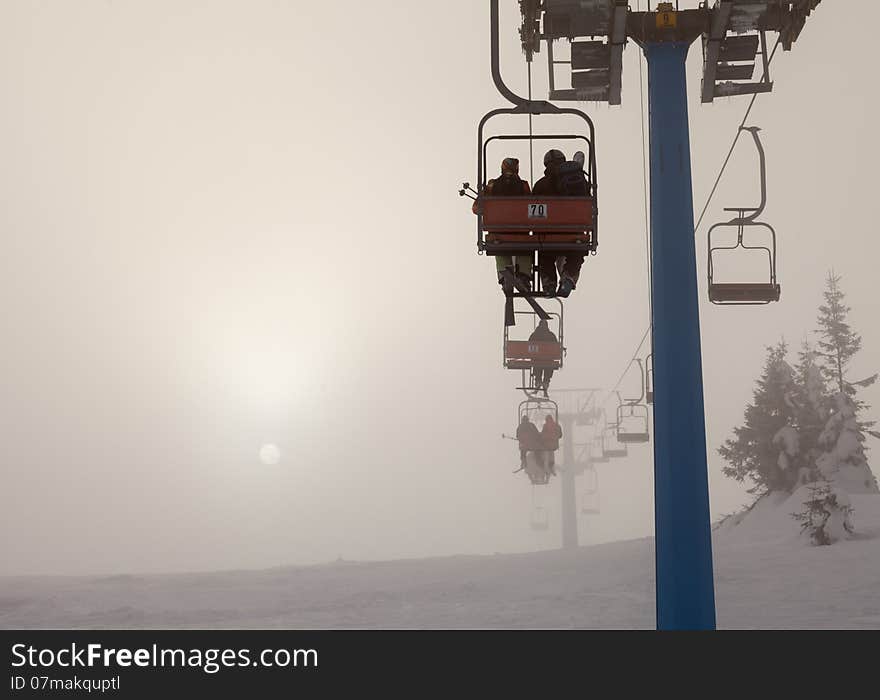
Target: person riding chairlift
x: 562, y: 178
x: 551, y: 433
x: 509, y: 184
x: 529, y: 440
x: 542, y: 375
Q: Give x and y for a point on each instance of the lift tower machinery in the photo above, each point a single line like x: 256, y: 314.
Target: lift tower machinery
x: 734, y: 36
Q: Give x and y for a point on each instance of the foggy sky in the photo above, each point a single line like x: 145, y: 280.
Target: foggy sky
x: 227, y: 224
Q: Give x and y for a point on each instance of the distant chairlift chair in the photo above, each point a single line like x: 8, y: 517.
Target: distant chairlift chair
x: 632, y: 415
x: 529, y: 355
x: 535, y: 407
x: 614, y: 448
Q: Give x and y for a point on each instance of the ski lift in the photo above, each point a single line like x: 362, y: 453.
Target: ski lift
x: 613, y: 447
x: 505, y: 225
x: 649, y: 379
x: 537, y: 468
x: 530, y: 355
x: 565, y: 225
x: 632, y: 415
x: 632, y: 423
x: 590, y: 497
x: 746, y: 293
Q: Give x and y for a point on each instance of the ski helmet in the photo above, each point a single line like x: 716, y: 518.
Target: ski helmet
x: 553, y: 156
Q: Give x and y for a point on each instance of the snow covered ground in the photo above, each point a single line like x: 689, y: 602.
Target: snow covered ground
x: 766, y: 577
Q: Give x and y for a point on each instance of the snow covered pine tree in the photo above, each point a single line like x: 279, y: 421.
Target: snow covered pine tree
x: 765, y: 450
x: 843, y: 460
x: 827, y: 514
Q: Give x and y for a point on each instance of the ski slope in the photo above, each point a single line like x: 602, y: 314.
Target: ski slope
x: 766, y: 577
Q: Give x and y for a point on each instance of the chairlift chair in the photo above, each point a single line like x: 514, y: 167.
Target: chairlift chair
x: 632, y: 415
x: 565, y: 225
x: 649, y: 379
x: 527, y: 355
x: 534, y: 407
x: 746, y: 293
x: 613, y: 447
x: 632, y: 424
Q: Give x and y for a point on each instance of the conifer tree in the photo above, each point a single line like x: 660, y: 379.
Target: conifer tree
x: 844, y: 460
x: 755, y: 453
x: 811, y: 413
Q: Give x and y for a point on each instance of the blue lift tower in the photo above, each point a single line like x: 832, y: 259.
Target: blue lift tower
x: 733, y: 34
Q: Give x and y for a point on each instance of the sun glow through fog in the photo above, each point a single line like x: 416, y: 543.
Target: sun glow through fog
x: 270, y: 454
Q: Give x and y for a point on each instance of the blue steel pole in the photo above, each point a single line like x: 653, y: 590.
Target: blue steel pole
x: 685, y: 591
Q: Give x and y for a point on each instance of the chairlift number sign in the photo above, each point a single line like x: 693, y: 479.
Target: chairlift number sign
x: 537, y: 211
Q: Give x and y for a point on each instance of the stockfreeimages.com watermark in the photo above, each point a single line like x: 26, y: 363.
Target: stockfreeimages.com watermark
x: 209, y: 660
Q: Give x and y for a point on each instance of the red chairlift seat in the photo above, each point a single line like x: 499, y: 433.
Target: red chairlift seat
x: 530, y: 355
x: 514, y: 225
x: 520, y: 225
x: 524, y: 354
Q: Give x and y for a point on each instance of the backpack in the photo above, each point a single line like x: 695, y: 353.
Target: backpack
x: 571, y: 181
x: 507, y: 186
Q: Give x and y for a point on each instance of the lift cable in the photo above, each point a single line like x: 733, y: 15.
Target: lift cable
x: 699, y: 221
x: 531, y: 137
x: 643, y: 116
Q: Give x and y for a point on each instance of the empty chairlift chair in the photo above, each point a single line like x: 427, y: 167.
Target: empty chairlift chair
x: 614, y: 448
x: 632, y: 424
x: 632, y: 415
x: 747, y: 229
